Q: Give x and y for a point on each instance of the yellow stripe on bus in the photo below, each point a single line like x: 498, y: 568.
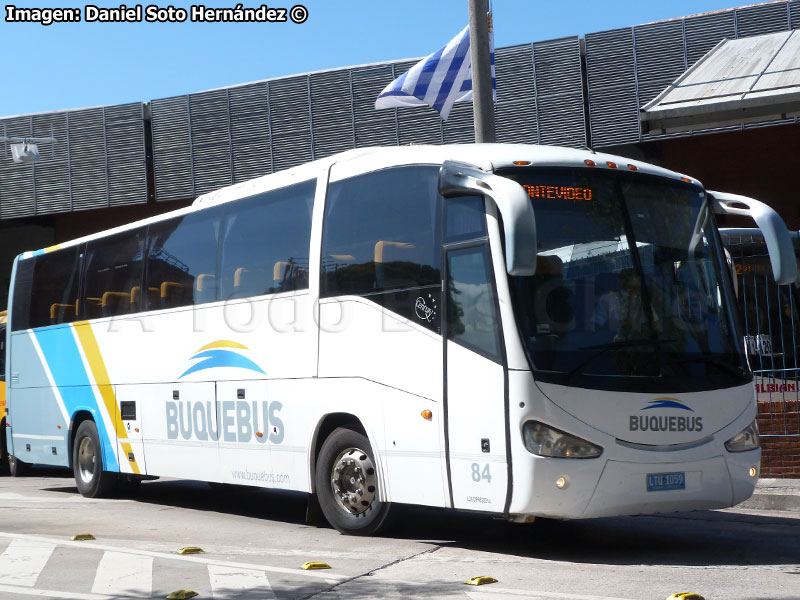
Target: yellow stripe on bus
x: 52, y: 248
x: 92, y: 351
x: 223, y: 344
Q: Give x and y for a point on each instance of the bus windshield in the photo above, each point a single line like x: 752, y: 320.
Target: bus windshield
x: 629, y: 289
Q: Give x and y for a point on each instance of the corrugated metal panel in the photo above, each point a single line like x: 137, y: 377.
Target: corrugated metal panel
x: 98, y: 160
x: 17, y: 179
x: 250, y: 131
x: 761, y: 19
x: 172, y: 149
x: 561, y: 121
x: 332, y: 113
x: 514, y: 73
x: 516, y: 122
x: 211, y: 148
x: 558, y: 67
x: 373, y: 127
x: 660, y: 57
x: 706, y: 31
x: 87, y: 151
x: 419, y: 126
x: 794, y: 13
x: 515, y: 113
x: 459, y: 127
x: 52, y: 172
x: 559, y: 92
x: 127, y: 168
x: 290, y: 149
x: 290, y: 122
x: 611, y: 73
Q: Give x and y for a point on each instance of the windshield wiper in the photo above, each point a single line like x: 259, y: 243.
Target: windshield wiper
x: 614, y: 346
x: 739, y: 371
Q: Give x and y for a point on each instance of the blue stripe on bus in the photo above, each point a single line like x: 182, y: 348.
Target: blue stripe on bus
x: 64, y: 361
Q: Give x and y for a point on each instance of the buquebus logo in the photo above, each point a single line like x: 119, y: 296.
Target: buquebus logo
x: 227, y: 420
x: 660, y: 422
x: 221, y: 353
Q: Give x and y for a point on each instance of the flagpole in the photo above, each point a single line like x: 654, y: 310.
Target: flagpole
x: 482, y: 97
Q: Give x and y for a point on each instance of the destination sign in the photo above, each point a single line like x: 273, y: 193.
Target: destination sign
x: 559, y: 192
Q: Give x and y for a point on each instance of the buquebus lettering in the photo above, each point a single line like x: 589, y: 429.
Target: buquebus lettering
x: 234, y: 421
x: 654, y: 423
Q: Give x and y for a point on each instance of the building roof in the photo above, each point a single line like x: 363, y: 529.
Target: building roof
x: 747, y: 79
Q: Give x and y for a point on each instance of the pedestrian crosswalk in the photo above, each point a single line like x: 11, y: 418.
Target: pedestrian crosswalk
x: 130, y: 573
x: 124, y: 575
x: 23, y: 560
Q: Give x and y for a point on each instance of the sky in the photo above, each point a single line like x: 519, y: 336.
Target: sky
x: 75, y: 65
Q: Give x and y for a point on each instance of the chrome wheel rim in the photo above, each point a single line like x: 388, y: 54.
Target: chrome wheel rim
x: 86, y: 458
x: 353, y: 481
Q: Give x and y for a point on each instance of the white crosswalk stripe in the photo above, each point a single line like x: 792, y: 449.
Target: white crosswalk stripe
x: 128, y: 573
x: 23, y: 560
x: 121, y: 574
x: 231, y: 583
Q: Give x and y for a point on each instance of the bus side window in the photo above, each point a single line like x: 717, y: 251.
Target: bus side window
x: 182, y: 260
x: 381, y: 232
x: 113, y: 266
x: 266, y: 244
x: 472, y: 319
x: 381, y: 240
x: 46, y: 288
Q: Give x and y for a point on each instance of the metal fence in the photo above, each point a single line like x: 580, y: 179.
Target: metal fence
x: 771, y: 319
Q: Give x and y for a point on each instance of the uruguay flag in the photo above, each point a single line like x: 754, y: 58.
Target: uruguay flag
x: 437, y: 80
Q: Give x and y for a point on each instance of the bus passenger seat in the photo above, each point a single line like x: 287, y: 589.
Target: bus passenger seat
x: 171, y: 293
x: 239, y: 275
x: 115, y: 303
x: 152, y: 299
x: 278, y: 270
x: 63, y: 312
x: 205, y: 288
x: 136, y: 298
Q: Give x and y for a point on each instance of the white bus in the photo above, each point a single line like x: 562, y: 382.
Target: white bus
x: 511, y: 329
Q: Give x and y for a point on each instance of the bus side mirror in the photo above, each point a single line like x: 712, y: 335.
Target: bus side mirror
x: 461, y: 179
x: 776, y: 236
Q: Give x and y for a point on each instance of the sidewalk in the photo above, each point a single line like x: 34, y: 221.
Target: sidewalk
x: 775, y: 494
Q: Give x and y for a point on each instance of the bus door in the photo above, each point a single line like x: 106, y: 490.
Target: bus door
x: 475, y: 385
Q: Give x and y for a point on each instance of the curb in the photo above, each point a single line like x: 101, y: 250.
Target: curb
x: 775, y: 494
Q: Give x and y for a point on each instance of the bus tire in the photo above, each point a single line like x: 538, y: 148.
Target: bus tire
x: 17, y: 468
x: 87, y: 463
x: 4, y: 460
x: 347, y: 484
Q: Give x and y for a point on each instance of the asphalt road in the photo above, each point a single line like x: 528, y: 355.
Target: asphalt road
x: 255, y: 542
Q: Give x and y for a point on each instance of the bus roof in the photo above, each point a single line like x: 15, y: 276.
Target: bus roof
x: 484, y: 156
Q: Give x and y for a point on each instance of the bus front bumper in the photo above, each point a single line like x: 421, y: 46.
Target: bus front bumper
x: 575, y: 489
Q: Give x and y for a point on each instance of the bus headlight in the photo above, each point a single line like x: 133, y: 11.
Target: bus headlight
x: 745, y: 440
x: 543, y: 440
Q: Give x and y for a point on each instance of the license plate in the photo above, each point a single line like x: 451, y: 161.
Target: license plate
x: 659, y: 482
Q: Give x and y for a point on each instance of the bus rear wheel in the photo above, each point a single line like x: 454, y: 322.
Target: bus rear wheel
x: 347, y: 484
x: 17, y: 468
x: 87, y: 463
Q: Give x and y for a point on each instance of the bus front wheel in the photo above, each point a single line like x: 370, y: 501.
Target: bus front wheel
x: 87, y: 463
x: 347, y: 484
